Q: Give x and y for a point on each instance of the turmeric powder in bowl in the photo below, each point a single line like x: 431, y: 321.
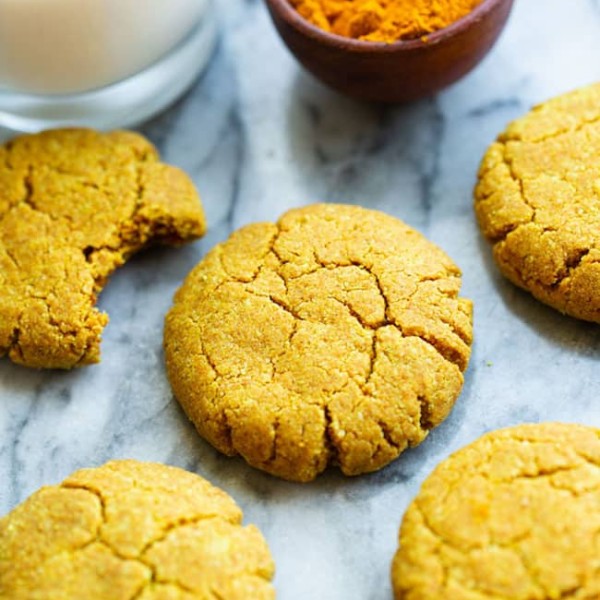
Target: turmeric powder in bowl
x: 376, y: 65
x: 383, y: 20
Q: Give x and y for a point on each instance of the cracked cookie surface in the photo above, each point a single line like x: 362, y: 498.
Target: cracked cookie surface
x: 332, y: 337
x: 538, y: 202
x: 131, y: 530
x: 74, y: 205
x: 513, y: 516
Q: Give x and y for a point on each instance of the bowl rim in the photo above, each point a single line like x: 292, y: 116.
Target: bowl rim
x: 285, y: 10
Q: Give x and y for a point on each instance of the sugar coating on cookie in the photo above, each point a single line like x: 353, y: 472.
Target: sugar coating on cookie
x: 130, y: 530
x: 538, y: 202
x: 74, y: 205
x: 332, y: 337
x: 513, y: 516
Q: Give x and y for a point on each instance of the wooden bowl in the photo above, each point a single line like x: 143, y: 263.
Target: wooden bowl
x: 396, y: 72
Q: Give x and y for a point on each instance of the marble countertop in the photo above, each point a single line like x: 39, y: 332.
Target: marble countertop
x: 258, y: 136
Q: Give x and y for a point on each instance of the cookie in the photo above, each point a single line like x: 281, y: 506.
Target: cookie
x: 515, y: 515
x: 538, y: 202
x: 132, y: 530
x: 74, y: 205
x: 332, y: 337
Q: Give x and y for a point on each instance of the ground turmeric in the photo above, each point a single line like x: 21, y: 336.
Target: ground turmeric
x: 383, y: 20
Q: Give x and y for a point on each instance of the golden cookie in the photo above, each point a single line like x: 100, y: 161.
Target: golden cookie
x: 132, y: 530
x: 335, y: 336
x: 74, y: 205
x: 538, y: 202
x: 513, y: 516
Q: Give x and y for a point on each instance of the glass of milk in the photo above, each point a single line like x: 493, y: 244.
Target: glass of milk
x: 98, y: 63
